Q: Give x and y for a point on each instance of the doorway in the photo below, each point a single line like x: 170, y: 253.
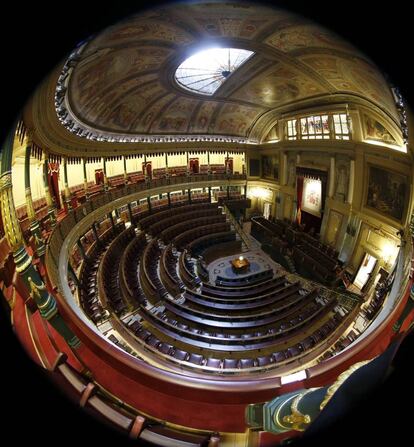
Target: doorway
x: 267, y: 208
x: 367, y: 266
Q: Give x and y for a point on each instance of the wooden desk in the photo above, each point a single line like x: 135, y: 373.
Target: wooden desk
x: 240, y: 265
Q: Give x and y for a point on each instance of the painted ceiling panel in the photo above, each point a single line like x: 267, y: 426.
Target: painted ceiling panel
x: 306, y: 36
x: 278, y: 86
x: 235, y: 119
x: 176, y: 118
x: 122, y: 81
x: 354, y: 75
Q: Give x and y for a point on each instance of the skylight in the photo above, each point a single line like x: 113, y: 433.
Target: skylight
x: 205, y: 71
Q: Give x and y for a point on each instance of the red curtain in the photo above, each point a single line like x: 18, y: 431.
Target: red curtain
x: 194, y: 165
x: 53, y: 182
x: 299, y: 190
x: 146, y: 167
x: 229, y: 166
x: 99, y: 176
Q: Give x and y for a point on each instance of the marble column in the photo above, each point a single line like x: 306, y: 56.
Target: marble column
x: 45, y: 302
x: 40, y: 246
x: 331, y: 188
x: 68, y: 195
x: 106, y: 186
x: 350, y: 195
x: 49, y: 200
x: 125, y: 171
x: 85, y: 179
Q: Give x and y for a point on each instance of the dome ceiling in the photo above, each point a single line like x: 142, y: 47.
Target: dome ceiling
x: 123, y: 81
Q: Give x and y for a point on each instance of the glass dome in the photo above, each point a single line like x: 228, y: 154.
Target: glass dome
x: 205, y: 71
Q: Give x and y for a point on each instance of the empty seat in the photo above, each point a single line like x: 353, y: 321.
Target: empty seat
x: 247, y: 363
x: 214, y: 363
x: 179, y: 354
x: 165, y: 348
x: 230, y: 363
x: 264, y: 360
x: 197, y: 359
x: 279, y: 356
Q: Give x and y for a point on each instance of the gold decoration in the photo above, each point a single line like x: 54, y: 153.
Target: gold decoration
x: 31, y: 214
x: 11, y: 224
x: 340, y: 380
x: 296, y: 419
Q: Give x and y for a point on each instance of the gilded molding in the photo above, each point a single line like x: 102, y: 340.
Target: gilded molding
x: 297, y: 420
x: 11, y: 224
x: 339, y: 381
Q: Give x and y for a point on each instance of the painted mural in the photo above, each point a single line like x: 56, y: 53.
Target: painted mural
x: 204, y: 116
x: 278, y: 86
x: 159, y: 30
x: 176, y: 118
x: 376, y: 131
x: 354, y: 75
x: 235, y: 119
x: 387, y: 192
x: 235, y: 20
x: 116, y: 71
x: 270, y: 167
x: 152, y: 113
x: 306, y: 36
x: 111, y: 87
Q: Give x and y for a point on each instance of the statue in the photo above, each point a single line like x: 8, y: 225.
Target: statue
x: 342, y: 183
x: 291, y: 173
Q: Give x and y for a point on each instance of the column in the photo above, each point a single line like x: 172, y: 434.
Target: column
x: 131, y: 217
x: 82, y: 250
x: 331, y: 187
x: 95, y: 233
x: 208, y: 162
x: 125, y: 171
x: 111, y: 218
x: 169, y: 198
x: 145, y: 169
x: 51, y: 207
x: 149, y: 204
x: 189, y: 195
x: 68, y: 198
x: 166, y: 165
x: 188, y: 161
x: 85, y: 179
x: 45, y: 302
x: 73, y: 274
x: 34, y: 224
x: 351, y: 182
x: 106, y: 187
x: 209, y: 193
x: 284, y: 176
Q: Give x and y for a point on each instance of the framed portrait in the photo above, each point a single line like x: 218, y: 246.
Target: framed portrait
x: 333, y: 227
x: 270, y: 167
x: 387, y: 192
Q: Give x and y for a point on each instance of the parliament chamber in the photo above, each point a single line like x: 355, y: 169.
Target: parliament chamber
x: 206, y: 224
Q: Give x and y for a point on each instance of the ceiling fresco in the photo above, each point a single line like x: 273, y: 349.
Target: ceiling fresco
x: 123, y: 79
